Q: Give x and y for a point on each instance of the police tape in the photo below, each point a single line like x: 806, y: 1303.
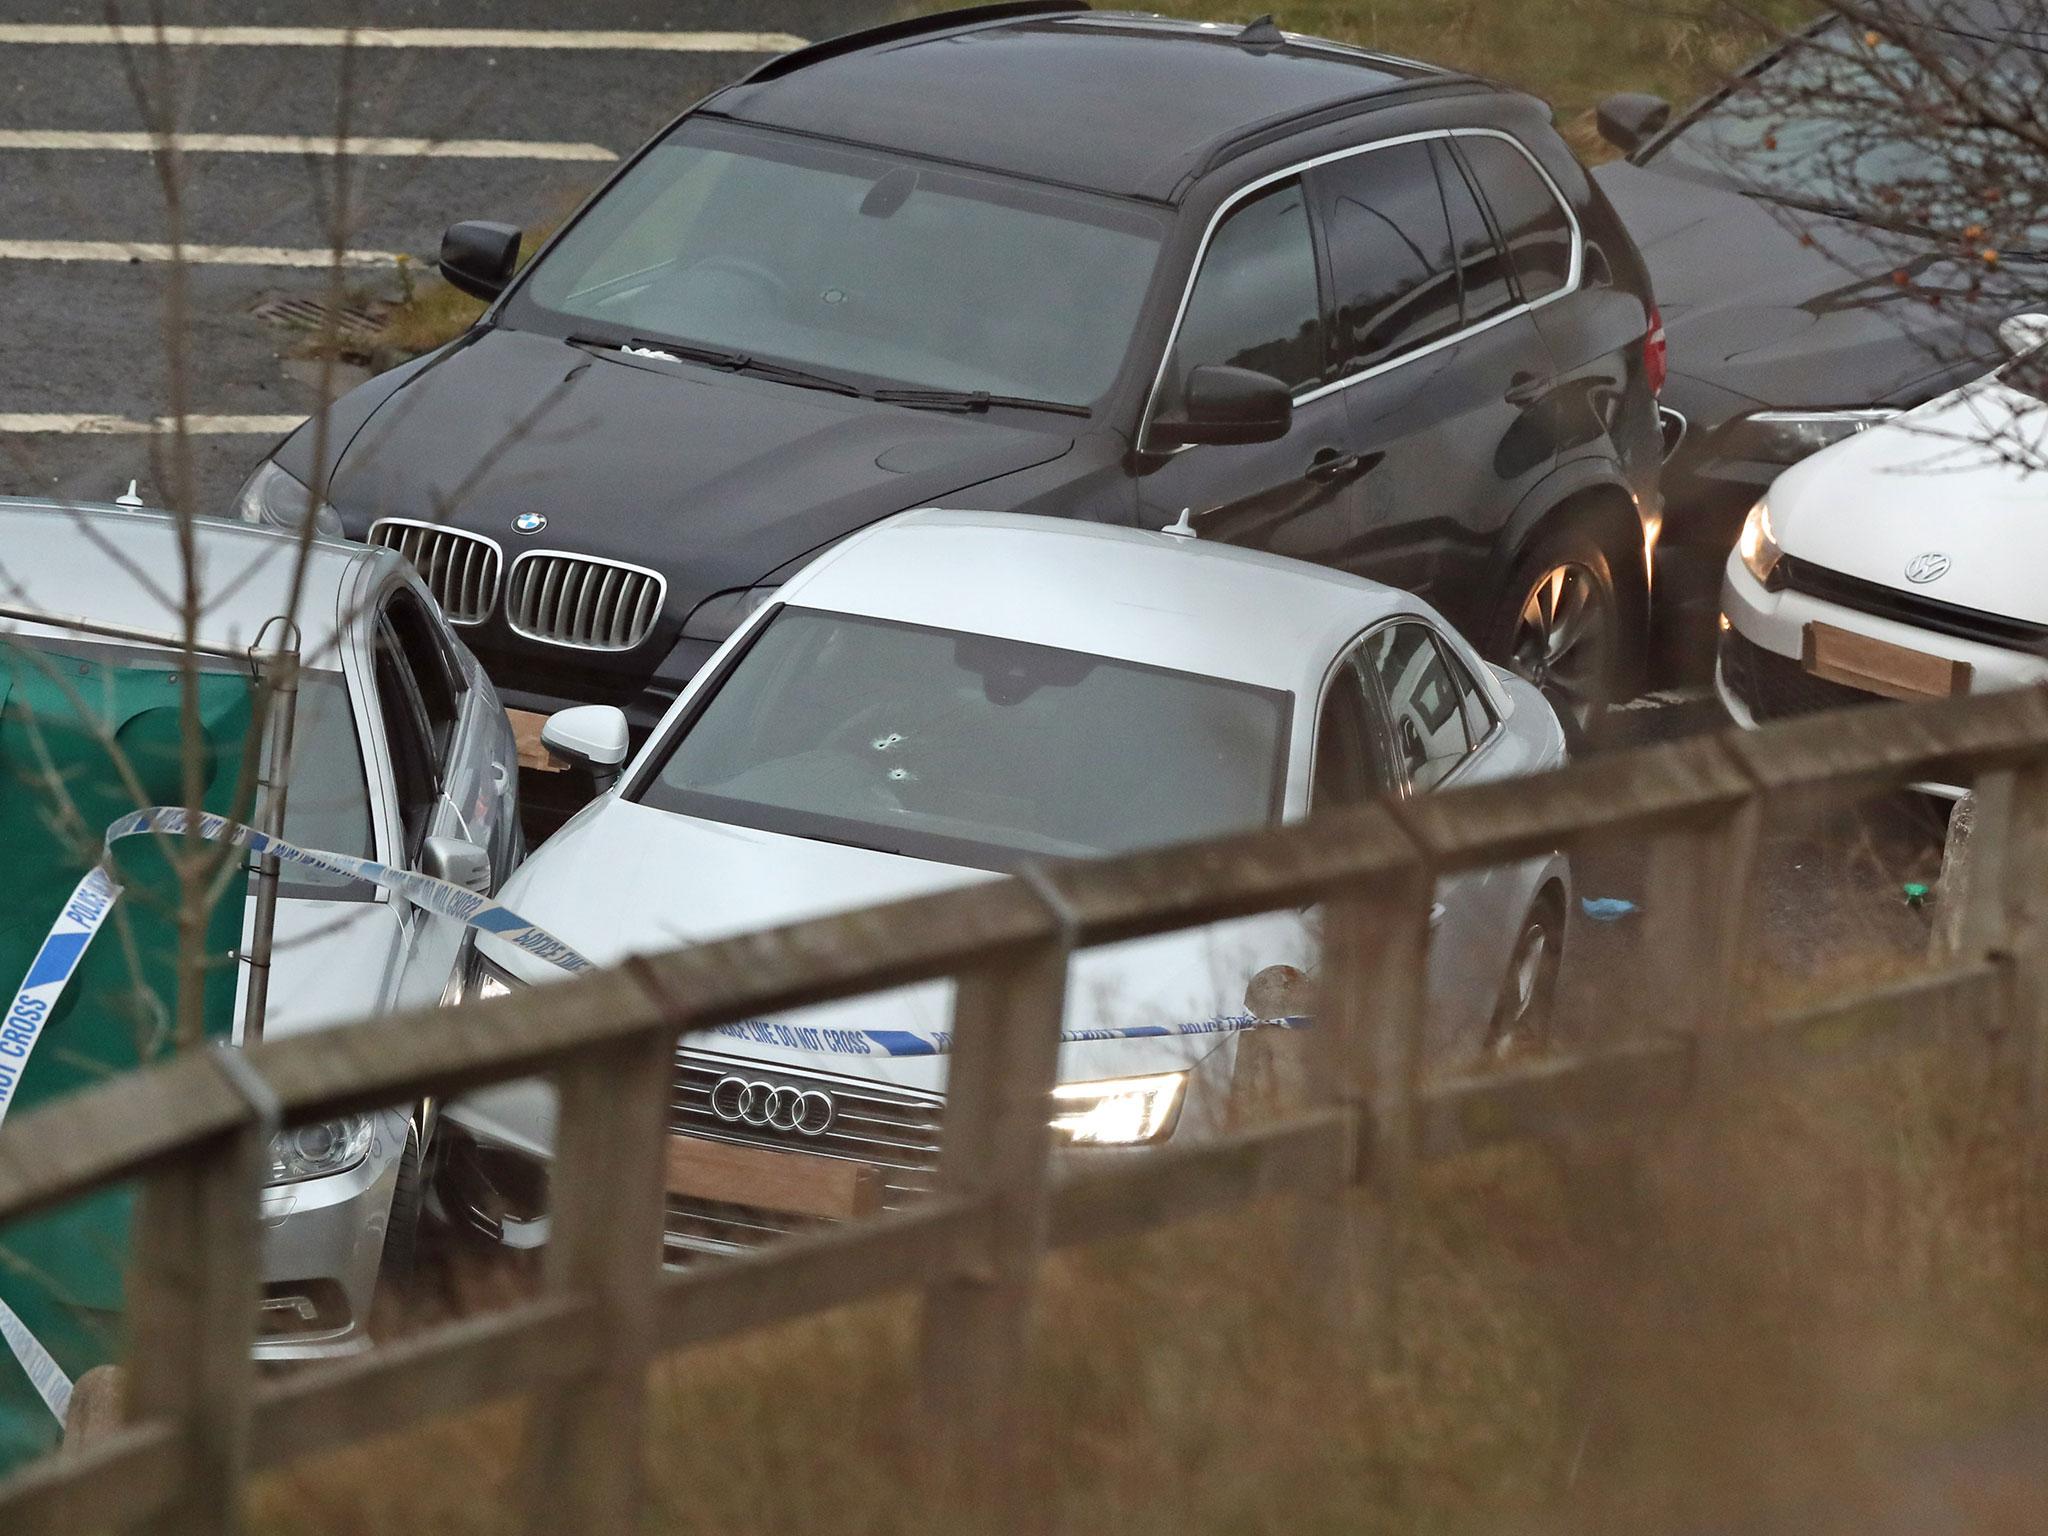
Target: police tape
x: 841, y: 1040
x: 93, y: 898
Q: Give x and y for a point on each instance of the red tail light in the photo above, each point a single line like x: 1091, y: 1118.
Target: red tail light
x: 1656, y: 361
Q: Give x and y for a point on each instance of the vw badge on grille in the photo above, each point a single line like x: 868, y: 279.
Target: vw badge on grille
x: 529, y: 522
x: 772, y: 1106
x: 1922, y: 569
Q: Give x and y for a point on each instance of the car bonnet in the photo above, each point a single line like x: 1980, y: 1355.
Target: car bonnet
x: 626, y: 879
x: 1964, y: 477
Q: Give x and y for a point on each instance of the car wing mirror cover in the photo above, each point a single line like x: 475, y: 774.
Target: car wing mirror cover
x: 1222, y: 404
x: 457, y: 861
x: 592, y: 734
x: 1630, y: 119
x: 2022, y: 334
x: 479, y: 257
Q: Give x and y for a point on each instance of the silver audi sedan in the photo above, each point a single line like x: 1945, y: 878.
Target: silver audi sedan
x: 940, y: 700
x: 402, y: 754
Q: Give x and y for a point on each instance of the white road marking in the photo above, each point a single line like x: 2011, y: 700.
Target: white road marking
x: 396, y: 37
x: 200, y: 255
x: 130, y: 426
x: 304, y: 144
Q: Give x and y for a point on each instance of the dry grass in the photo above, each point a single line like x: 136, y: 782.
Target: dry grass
x: 1799, y: 1300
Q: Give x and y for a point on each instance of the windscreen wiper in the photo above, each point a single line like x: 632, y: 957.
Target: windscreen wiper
x: 970, y: 400
x: 721, y: 358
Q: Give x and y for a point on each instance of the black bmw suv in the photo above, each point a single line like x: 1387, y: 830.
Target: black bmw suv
x: 1028, y: 257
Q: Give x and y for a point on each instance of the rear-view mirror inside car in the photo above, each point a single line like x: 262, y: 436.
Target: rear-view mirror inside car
x: 480, y: 257
x: 1227, y: 405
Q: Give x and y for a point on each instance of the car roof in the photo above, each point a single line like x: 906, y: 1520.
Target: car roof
x: 1189, y: 604
x: 119, y: 566
x: 1120, y: 102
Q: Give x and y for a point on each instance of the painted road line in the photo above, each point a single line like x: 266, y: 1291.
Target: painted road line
x: 304, y: 144
x: 46, y: 424
x: 129, y: 251
x: 40, y: 33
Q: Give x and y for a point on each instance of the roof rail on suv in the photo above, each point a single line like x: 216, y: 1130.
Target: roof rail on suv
x: 892, y: 31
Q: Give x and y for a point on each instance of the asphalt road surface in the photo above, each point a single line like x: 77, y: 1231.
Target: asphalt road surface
x: 514, y: 132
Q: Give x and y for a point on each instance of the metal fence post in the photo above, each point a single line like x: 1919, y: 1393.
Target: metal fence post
x: 583, y: 1458
x: 996, y: 1147
x: 1367, y: 1053
x: 192, y: 1309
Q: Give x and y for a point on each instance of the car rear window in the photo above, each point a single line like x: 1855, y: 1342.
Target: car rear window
x: 969, y: 748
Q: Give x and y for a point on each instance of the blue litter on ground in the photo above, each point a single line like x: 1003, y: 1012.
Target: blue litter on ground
x: 1606, y: 909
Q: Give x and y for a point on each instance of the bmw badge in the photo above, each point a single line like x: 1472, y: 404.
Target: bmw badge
x: 529, y: 522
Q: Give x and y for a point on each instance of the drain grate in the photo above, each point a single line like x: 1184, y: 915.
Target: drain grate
x: 352, y: 325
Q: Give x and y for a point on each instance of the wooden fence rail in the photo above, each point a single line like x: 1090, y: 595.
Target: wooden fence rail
x: 192, y: 1131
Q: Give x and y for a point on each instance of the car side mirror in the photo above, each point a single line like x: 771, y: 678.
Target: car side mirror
x: 480, y: 257
x: 2022, y: 334
x: 1227, y: 405
x: 457, y: 861
x: 1630, y: 119
x: 593, y: 736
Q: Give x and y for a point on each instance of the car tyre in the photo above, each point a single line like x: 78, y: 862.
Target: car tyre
x: 1525, y: 1012
x: 1558, y: 623
x: 408, y: 1201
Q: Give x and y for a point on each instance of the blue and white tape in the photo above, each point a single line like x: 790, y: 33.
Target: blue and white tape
x: 839, y: 1040
x: 93, y: 898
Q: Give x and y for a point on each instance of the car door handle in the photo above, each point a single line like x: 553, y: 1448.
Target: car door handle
x: 1333, y: 464
x: 1436, y: 914
x: 1528, y: 388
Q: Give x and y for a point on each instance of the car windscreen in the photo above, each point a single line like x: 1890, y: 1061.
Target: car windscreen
x: 967, y: 748
x: 858, y: 263
x: 1830, y: 125
x: 109, y: 712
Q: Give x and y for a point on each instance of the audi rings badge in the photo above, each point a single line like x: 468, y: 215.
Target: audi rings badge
x: 772, y: 1106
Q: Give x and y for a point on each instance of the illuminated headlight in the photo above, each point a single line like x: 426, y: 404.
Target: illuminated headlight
x: 317, y: 1151
x: 1786, y: 437
x: 484, y: 980
x: 1758, y: 545
x: 279, y: 500
x: 1118, y: 1111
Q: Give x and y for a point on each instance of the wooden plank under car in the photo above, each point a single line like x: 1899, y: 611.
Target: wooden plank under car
x: 532, y: 755
x: 797, y: 1183
x: 1855, y: 660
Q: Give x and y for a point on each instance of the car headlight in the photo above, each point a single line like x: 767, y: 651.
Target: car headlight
x: 317, y: 1151
x: 1786, y: 437
x: 275, y: 497
x: 482, y: 980
x: 721, y: 613
x: 1118, y: 1111
x: 1758, y: 545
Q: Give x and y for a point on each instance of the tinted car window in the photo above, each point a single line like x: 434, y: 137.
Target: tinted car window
x: 1391, y: 261
x: 1531, y: 219
x: 1488, y: 289
x: 970, y: 748
x: 1256, y: 303
x: 1348, y: 770
x: 1424, y: 698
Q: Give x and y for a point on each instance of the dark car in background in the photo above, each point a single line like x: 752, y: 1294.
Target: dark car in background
x: 1796, y: 315
x: 1334, y: 305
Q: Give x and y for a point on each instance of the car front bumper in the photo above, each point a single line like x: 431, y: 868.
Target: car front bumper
x: 323, y: 1240
x: 1761, y: 674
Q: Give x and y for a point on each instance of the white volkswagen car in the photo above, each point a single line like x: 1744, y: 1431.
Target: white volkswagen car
x: 1905, y: 563
x: 936, y: 701
x: 402, y: 755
